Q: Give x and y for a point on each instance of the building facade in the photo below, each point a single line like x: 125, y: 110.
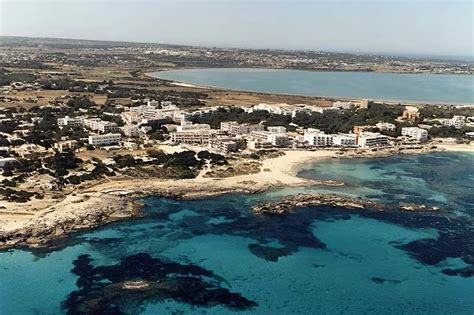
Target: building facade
x: 223, y: 144
x: 344, y: 140
x: 103, y: 140
x: 317, y: 138
x: 70, y: 121
x: 371, y: 139
x: 191, y: 137
x: 416, y: 133
x: 97, y: 124
x: 234, y: 128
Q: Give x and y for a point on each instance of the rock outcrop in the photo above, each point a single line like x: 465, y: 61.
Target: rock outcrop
x: 51, y: 225
x: 332, y: 200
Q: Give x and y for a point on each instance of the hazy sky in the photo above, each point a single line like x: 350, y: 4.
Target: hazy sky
x: 415, y: 27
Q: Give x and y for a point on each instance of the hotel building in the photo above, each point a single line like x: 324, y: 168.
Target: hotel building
x: 103, y: 140
x: 416, y: 133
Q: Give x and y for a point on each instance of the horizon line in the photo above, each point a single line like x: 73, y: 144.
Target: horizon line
x: 407, y: 55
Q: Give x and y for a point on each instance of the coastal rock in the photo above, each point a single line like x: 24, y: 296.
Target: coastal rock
x: 315, y: 199
x: 47, y: 227
x: 331, y: 200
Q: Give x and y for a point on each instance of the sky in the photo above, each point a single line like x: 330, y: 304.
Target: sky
x: 418, y: 27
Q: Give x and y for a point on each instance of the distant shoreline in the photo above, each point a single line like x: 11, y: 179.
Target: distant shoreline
x: 104, y: 42
x: 154, y: 75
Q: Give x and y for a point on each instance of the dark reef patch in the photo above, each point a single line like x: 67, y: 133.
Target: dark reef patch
x: 455, y: 236
x: 463, y: 272
x: 140, y: 278
x: 382, y: 280
x: 269, y: 253
x: 318, y: 266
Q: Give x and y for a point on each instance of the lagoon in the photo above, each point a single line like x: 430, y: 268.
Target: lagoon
x: 424, y: 88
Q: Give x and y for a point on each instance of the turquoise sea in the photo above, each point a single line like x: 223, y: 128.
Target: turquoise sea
x: 429, y: 88
x: 213, y: 256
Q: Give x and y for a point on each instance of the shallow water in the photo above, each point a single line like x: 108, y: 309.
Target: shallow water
x: 315, y: 260
x: 430, y: 88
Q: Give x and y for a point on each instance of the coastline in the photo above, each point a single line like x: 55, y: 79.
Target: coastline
x: 113, y: 200
x: 323, y: 97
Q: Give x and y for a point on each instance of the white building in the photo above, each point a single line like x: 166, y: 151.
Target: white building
x: 343, y: 105
x: 145, y: 129
x: 344, y: 140
x: 385, y: 126
x: 131, y: 117
x: 317, y: 138
x: 205, y: 110
x: 152, y: 103
x: 279, y: 139
x: 145, y: 112
x: 276, y: 129
x: 289, y: 110
x: 457, y: 122
x: 97, y: 124
x: 255, y: 144
x: 234, y: 128
x: 191, y: 137
x: 168, y: 109
x: 167, y: 104
x: 193, y: 127
x: 131, y: 130
x: 62, y: 146
x: 278, y: 109
x: 70, y: 121
x: 315, y: 109
x: 150, y: 111
x: 7, y: 160
x: 265, y: 137
x: 181, y: 116
x: 416, y: 133
x: 371, y: 139
x: 103, y: 140
x: 223, y: 144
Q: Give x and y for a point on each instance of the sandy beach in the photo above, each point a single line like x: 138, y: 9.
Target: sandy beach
x: 38, y: 222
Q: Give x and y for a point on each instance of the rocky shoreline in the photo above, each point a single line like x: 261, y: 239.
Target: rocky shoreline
x: 106, y: 207
x: 46, y: 227
x: 331, y: 200
x: 117, y: 200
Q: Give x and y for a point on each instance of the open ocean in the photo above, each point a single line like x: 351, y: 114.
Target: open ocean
x: 429, y: 88
x: 215, y: 257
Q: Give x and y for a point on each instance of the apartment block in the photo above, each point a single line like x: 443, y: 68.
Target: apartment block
x: 343, y: 105
x: 103, y: 140
x: 223, y: 144
x: 416, y: 133
x: 317, y: 138
x: 457, y: 122
x: 193, y: 127
x: 385, y: 126
x: 344, y: 140
x: 371, y: 139
x: 97, y: 124
x: 70, y: 121
x: 234, y: 128
x: 191, y: 137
